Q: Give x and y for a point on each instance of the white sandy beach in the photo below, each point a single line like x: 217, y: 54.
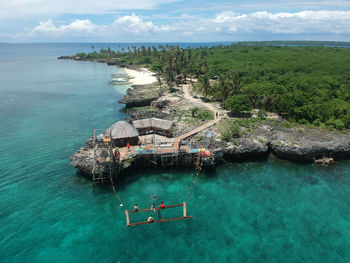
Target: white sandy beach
x: 141, y: 77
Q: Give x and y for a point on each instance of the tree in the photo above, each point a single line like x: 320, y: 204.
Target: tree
x: 160, y: 86
x: 224, y: 88
x: 234, y: 80
x: 156, y: 66
x: 205, y: 85
x: 238, y: 103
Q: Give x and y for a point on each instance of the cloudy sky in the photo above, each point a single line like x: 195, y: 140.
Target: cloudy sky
x: 173, y: 20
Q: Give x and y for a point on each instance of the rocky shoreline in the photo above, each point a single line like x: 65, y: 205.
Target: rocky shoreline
x: 108, y: 61
x: 139, y: 96
x: 290, y: 144
x: 259, y: 140
x: 300, y: 143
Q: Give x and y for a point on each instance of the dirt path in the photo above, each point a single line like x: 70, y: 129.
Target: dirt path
x: 218, y: 113
x: 187, y: 95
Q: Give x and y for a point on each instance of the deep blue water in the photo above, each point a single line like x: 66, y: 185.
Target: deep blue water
x: 271, y: 211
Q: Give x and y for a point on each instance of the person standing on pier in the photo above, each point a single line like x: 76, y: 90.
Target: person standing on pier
x: 162, y: 205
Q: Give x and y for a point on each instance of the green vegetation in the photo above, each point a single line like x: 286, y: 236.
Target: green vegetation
x: 238, y: 103
x: 307, y: 85
x: 300, y: 43
x: 248, y: 122
x: 229, y: 131
x: 202, y: 114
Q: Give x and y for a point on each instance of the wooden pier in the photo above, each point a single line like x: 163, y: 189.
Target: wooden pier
x: 153, y: 150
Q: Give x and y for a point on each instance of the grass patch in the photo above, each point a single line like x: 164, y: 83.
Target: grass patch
x: 202, y: 114
x: 247, y: 123
x: 229, y: 131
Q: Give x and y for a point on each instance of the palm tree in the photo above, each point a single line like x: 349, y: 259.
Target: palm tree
x: 160, y: 86
x: 204, y: 81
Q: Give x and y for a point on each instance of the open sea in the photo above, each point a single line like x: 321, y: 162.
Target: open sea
x: 267, y: 211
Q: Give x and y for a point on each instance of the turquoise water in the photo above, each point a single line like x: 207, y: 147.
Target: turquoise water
x: 271, y: 211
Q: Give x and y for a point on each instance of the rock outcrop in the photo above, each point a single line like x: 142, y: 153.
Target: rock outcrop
x: 293, y: 144
x: 307, y: 144
x: 139, y: 96
x: 83, y: 159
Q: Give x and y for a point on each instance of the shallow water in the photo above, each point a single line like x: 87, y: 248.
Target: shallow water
x: 272, y: 211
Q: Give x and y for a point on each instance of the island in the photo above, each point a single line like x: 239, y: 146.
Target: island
x: 209, y: 105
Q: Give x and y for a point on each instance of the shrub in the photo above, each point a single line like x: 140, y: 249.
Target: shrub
x: 173, y: 90
x: 262, y: 113
x: 156, y: 67
x: 202, y: 114
x: 238, y: 103
x: 229, y: 131
x: 316, y: 122
x: 226, y: 136
x: 335, y: 124
x: 346, y: 120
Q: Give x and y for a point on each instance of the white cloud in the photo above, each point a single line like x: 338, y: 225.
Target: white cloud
x: 133, y: 24
x: 286, y: 23
x: 77, y: 26
x: 29, y: 8
x: 226, y: 25
x: 224, y: 17
x: 45, y: 27
x: 187, y: 33
x: 123, y: 26
x: 273, y: 5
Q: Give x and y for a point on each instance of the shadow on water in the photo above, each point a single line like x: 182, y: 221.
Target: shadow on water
x: 132, y: 175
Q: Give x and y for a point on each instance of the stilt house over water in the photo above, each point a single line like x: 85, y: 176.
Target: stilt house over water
x: 122, y: 133
x: 154, y: 125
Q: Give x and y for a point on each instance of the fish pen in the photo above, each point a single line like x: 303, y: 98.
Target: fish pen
x: 160, y: 219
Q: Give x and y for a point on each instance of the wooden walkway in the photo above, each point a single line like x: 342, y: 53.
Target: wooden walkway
x: 196, y: 130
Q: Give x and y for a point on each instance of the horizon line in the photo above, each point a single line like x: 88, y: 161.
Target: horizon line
x: 179, y: 42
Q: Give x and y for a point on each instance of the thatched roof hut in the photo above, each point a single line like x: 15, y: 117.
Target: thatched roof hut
x: 153, y: 123
x: 122, y: 129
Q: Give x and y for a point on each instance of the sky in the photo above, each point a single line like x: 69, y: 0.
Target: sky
x: 130, y: 21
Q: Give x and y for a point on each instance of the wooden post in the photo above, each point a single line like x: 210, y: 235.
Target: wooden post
x: 160, y: 217
x: 127, y: 217
x: 185, y: 209
x: 93, y: 169
x: 162, y: 160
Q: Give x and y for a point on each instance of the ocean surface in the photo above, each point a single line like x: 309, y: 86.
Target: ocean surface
x: 267, y: 211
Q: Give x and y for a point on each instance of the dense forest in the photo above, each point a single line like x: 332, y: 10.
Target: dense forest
x: 305, y: 84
